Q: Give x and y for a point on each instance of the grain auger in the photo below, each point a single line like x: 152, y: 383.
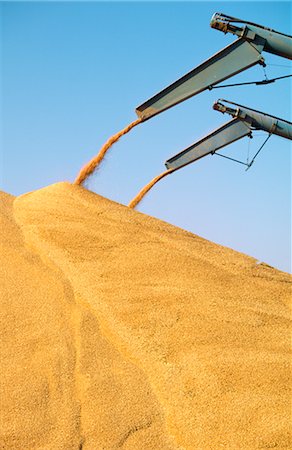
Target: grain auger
x: 245, y: 121
x: 245, y: 52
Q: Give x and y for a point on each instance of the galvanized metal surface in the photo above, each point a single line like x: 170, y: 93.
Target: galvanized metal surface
x: 244, y: 121
x: 228, y: 133
x: 275, y: 42
x: 258, y: 120
x: 240, y: 55
x: 234, y: 58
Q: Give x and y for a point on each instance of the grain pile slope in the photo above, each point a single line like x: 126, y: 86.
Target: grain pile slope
x: 131, y: 333
x: 38, y: 405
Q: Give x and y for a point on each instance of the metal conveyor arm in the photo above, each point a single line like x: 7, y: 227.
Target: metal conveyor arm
x: 228, y: 133
x: 257, y: 119
x: 244, y: 121
x: 236, y: 57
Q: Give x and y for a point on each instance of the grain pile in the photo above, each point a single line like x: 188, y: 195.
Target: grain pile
x: 121, y: 331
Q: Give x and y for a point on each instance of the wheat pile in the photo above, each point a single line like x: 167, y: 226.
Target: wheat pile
x: 121, y: 331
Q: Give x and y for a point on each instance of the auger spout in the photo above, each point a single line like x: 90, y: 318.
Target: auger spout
x: 228, y: 133
x: 245, y: 52
x: 244, y: 121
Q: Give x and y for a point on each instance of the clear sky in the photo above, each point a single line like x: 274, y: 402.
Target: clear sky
x: 72, y: 75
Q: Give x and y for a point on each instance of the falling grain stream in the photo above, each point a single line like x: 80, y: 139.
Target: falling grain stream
x: 90, y: 167
x: 133, y: 203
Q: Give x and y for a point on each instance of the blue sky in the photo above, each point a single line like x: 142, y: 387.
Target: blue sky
x: 72, y: 75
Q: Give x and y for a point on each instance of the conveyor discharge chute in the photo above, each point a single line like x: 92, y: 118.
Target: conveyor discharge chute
x: 245, y: 52
x: 230, y: 132
x: 244, y: 121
